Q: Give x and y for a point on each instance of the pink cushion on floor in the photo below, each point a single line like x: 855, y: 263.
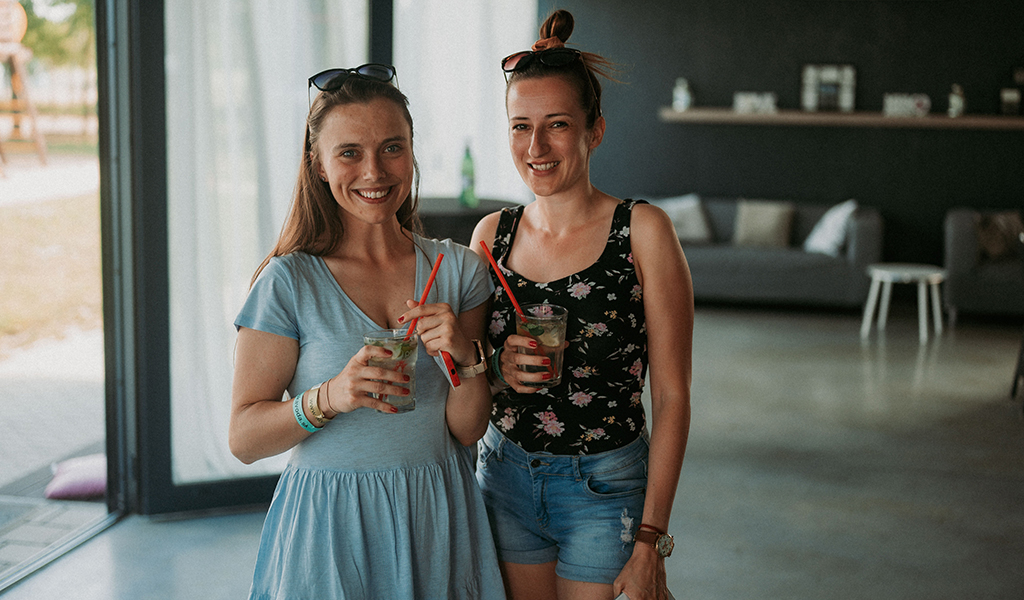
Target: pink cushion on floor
x: 79, y: 478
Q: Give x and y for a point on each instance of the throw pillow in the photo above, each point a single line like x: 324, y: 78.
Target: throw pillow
x: 763, y: 223
x: 81, y: 478
x: 688, y: 218
x: 829, y: 234
x: 998, y: 234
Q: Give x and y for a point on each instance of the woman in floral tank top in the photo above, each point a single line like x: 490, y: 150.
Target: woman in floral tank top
x: 579, y: 484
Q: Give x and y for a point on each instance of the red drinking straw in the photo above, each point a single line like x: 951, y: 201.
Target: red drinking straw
x: 504, y: 283
x: 426, y: 290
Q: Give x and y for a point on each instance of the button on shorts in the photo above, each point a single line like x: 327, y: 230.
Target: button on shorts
x: 580, y: 510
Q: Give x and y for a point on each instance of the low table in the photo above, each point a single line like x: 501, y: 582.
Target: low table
x: 883, y: 275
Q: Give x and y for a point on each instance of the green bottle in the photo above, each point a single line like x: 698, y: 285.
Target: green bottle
x: 467, y: 197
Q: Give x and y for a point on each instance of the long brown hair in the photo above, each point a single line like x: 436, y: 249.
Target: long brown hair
x: 581, y: 74
x: 314, y: 225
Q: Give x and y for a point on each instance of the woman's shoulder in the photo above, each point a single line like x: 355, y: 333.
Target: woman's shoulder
x: 647, y: 218
x: 451, y: 249
x: 289, y: 267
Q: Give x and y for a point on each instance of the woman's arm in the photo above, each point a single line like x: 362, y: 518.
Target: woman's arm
x: 668, y: 308
x: 262, y: 425
x: 469, y: 405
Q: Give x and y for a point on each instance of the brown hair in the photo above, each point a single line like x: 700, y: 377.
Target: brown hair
x: 582, y: 74
x: 313, y: 225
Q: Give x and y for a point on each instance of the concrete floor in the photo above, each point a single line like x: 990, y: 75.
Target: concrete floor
x: 818, y: 467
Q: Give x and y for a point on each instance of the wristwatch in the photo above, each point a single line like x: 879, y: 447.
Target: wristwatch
x: 662, y: 542
x: 476, y: 369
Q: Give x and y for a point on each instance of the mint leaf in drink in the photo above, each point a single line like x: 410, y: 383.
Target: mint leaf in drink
x: 534, y: 329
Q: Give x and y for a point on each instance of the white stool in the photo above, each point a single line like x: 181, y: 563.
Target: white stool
x: 883, y: 275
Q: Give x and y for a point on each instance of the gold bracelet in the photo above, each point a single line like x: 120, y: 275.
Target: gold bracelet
x: 316, y: 405
x: 313, y: 396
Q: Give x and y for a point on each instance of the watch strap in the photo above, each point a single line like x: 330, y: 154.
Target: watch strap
x: 662, y: 543
x: 475, y: 369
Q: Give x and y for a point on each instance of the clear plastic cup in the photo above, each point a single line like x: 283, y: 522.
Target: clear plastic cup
x: 545, y: 323
x: 402, y: 359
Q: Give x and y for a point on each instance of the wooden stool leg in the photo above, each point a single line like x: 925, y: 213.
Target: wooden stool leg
x: 869, y: 308
x: 922, y: 310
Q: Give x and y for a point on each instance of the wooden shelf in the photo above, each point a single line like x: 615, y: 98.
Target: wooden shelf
x: 726, y: 116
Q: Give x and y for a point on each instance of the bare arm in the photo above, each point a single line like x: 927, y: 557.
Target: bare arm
x: 668, y: 308
x: 469, y: 405
x: 261, y: 424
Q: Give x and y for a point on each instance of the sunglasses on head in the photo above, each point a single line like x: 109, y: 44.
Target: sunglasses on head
x: 332, y: 79
x: 553, y: 57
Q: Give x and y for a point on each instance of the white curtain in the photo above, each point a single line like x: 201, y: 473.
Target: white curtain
x: 448, y: 57
x: 236, y: 105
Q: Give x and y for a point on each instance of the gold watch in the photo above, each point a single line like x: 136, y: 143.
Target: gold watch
x: 663, y: 543
x: 476, y: 369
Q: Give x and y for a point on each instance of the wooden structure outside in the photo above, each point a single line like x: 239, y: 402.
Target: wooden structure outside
x: 14, y: 57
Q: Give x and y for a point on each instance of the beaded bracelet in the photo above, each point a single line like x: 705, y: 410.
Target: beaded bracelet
x: 496, y: 364
x: 300, y: 416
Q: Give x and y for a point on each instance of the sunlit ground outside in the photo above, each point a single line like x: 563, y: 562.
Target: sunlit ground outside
x: 51, y: 341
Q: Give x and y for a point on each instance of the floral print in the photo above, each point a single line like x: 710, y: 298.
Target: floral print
x: 597, y: 406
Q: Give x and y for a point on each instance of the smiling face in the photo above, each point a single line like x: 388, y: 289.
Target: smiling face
x: 365, y: 154
x: 548, y: 135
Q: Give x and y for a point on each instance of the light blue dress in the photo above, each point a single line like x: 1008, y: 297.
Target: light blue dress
x: 374, y: 505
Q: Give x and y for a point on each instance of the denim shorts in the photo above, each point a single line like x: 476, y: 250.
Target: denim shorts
x: 581, y: 511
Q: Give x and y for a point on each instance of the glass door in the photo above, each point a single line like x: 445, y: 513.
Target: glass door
x: 207, y: 103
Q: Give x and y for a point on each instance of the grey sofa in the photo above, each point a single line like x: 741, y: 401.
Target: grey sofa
x: 722, y: 271
x: 973, y: 283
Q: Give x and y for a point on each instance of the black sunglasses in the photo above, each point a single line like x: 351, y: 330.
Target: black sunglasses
x: 332, y: 79
x: 553, y: 57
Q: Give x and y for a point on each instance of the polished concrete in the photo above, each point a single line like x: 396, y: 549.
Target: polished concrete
x: 819, y: 466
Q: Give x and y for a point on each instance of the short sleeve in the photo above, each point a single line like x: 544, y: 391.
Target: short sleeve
x: 476, y: 283
x: 271, y: 303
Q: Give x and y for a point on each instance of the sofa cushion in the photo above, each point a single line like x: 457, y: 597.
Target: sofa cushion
x: 998, y: 234
x: 687, y: 214
x: 829, y: 233
x: 763, y: 223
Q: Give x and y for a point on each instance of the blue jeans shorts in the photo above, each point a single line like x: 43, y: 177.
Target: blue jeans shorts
x: 581, y: 511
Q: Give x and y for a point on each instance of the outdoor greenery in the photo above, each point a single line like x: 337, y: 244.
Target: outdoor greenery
x: 57, y: 41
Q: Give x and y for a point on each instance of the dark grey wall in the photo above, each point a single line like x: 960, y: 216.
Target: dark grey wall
x: 723, y: 46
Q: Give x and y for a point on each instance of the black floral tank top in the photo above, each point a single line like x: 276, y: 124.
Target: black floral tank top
x: 596, y: 407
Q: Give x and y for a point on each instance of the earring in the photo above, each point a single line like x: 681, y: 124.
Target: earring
x: 323, y: 179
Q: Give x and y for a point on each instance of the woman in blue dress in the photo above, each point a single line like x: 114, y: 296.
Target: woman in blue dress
x: 372, y: 504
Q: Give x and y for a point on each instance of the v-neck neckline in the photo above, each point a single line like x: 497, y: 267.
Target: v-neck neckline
x: 417, y: 284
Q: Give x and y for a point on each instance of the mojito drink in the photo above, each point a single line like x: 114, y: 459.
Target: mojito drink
x: 402, y: 359
x: 545, y: 323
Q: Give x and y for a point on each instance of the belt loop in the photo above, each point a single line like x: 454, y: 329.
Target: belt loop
x: 501, y: 445
x: 576, y: 468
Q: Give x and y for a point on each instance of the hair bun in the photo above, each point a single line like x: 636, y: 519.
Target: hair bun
x: 559, y: 24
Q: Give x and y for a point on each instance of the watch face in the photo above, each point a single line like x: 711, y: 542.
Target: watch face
x: 665, y: 545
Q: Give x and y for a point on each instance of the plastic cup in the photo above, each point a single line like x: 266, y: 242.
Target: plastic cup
x: 402, y: 359
x: 545, y: 323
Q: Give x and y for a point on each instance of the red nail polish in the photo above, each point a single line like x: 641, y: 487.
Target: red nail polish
x: 407, y: 378
x: 546, y: 362
x: 533, y: 344
x: 546, y: 376
x: 393, y: 410
x: 401, y: 319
